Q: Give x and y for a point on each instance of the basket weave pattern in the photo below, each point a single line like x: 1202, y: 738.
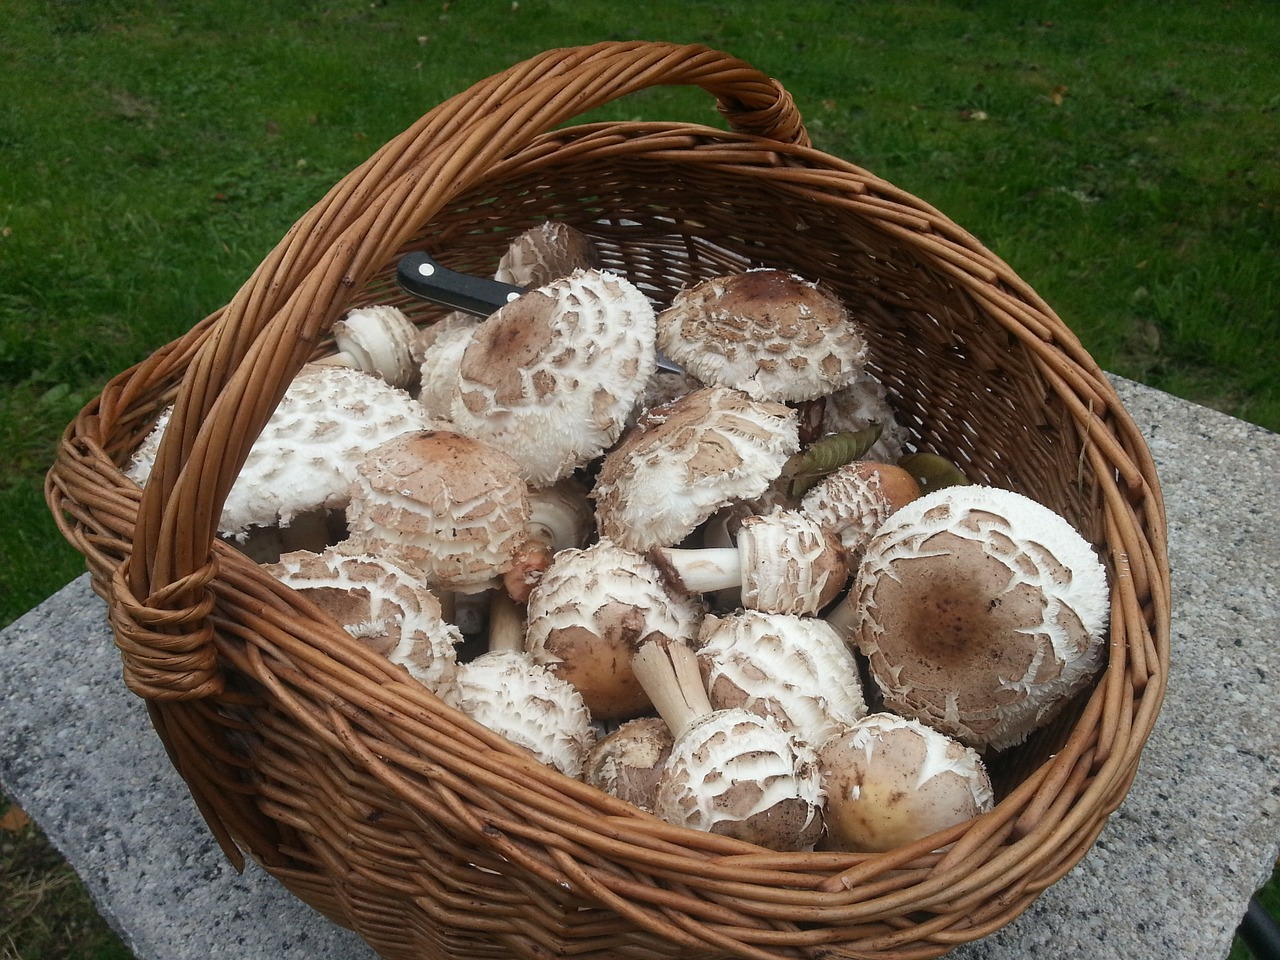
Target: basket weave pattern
x: 431, y: 836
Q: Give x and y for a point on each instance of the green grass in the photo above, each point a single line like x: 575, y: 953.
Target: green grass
x: 1124, y: 159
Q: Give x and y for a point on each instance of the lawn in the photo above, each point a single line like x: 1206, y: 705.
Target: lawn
x: 1124, y: 159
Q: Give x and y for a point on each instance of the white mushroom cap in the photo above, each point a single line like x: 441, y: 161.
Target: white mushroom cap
x: 381, y: 604
x: 440, y: 347
x: 795, y: 669
x: 546, y: 252
x: 529, y: 705
x: 589, y: 610
x: 377, y: 339
x: 768, y: 333
x: 454, y: 507
x: 685, y: 460
x: 786, y: 562
x: 305, y: 458
x: 859, y: 405
x: 890, y: 781
x: 741, y: 775
x: 857, y: 498
x: 628, y: 763
x: 552, y: 376
x: 981, y: 612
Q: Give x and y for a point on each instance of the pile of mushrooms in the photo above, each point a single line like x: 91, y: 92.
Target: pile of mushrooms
x: 737, y: 597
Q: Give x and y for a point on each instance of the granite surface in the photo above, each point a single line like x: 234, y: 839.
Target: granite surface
x: 1170, y: 876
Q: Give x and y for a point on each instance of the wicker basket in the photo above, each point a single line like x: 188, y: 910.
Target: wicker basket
x: 428, y: 834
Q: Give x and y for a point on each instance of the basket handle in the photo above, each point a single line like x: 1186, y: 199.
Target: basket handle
x: 264, y: 335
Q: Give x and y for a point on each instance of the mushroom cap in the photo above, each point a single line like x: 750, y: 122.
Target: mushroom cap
x: 440, y: 347
x: 857, y: 498
x: 380, y: 340
x: 588, y: 612
x: 551, y: 376
x: 628, y: 762
x: 796, y: 670
x: 547, y: 252
x: 859, y: 405
x: 685, y: 460
x: 741, y: 775
x: 452, y: 506
x: 790, y: 563
x: 890, y: 781
x: 381, y: 604
x: 305, y: 458
x: 981, y: 612
x: 529, y: 705
x: 769, y: 333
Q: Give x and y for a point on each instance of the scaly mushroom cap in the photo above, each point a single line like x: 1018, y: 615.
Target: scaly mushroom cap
x: 382, y: 605
x: 981, y: 612
x: 379, y: 340
x: 529, y: 705
x: 890, y: 781
x: 589, y: 610
x: 552, y: 376
x: 440, y: 348
x: 741, y: 775
x: 859, y: 405
x: 454, y: 507
x: 796, y: 670
x: 628, y: 762
x: 546, y: 252
x: 790, y: 563
x: 305, y: 458
x: 768, y: 333
x: 685, y: 460
x: 857, y: 498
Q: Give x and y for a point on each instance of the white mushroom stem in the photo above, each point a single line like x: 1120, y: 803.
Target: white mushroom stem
x: 670, y: 674
x: 700, y: 569
x: 506, y: 624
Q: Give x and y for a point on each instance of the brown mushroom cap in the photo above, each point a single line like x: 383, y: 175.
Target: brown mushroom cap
x: 768, y: 333
x: 981, y: 612
x: 890, y: 781
x: 685, y: 460
x: 857, y: 498
x: 552, y: 376
x: 628, y: 763
x: 546, y: 252
x: 452, y: 506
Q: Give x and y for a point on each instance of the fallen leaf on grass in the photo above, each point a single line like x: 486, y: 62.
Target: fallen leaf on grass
x: 1056, y: 95
x: 14, y: 820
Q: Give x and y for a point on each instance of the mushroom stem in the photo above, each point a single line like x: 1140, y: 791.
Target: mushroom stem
x: 506, y: 624
x: 701, y: 569
x: 671, y: 677
x: 843, y: 618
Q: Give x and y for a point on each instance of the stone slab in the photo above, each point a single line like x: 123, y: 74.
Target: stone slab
x: 1170, y: 876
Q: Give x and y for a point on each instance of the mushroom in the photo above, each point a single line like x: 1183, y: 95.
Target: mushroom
x: 685, y: 460
x: 785, y: 562
x: 768, y: 333
x: 628, y: 762
x: 589, y: 610
x: 525, y: 702
x: 439, y: 349
x: 730, y: 772
x: 981, y: 612
x: 862, y: 403
x: 382, y: 605
x: 890, y: 781
x: 300, y: 469
x: 378, y: 340
x: 452, y: 506
x: 560, y: 517
x: 546, y: 252
x: 552, y: 376
x: 856, y: 499
x: 796, y: 670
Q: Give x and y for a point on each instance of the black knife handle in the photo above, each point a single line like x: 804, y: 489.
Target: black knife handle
x: 421, y: 276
